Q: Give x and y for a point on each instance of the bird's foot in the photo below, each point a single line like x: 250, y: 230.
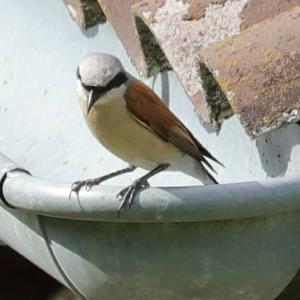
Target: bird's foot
x: 88, y: 184
x: 92, y: 182
x: 127, y: 194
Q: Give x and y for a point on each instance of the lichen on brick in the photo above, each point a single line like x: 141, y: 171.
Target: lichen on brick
x: 86, y: 13
x: 93, y: 13
x: 215, y: 97
x: 154, y: 56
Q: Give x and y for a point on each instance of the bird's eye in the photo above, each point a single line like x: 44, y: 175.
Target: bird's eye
x: 78, y: 74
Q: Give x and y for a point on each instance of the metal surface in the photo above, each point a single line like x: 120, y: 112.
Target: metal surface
x: 178, y: 204
x: 248, y: 259
x: 221, y: 240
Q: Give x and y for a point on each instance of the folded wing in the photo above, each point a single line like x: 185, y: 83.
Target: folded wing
x: 150, y: 111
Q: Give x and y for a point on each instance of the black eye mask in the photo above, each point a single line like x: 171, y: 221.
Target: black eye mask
x: 117, y: 81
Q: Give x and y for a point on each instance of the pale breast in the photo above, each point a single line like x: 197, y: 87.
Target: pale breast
x: 114, y: 127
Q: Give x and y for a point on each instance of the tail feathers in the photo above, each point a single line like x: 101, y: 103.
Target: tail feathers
x: 212, y: 180
x: 196, y: 169
x: 204, y: 176
x: 204, y: 161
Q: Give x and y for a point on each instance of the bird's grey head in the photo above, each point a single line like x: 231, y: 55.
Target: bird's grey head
x: 99, y: 73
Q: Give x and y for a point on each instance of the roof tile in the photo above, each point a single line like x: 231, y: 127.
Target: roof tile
x: 256, y: 11
x: 118, y: 14
x: 259, y: 71
x: 181, y: 37
x: 86, y: 13
x: 164, y: 34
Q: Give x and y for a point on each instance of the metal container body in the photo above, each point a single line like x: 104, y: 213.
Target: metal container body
x: 243, y: 259
x: 22, y: 232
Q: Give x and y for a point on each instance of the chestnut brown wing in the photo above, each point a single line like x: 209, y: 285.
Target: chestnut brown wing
x: 150, y: 111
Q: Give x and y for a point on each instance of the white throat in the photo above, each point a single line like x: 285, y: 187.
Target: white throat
x: 110, y: 96
x: 106, y: 99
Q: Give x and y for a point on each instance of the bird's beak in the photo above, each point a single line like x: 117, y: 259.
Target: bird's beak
x: 91, y: 100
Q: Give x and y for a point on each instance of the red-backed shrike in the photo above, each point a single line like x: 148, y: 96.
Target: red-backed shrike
x: 132, y: 122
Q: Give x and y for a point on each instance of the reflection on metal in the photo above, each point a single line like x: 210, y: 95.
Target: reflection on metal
x: 221, y: 235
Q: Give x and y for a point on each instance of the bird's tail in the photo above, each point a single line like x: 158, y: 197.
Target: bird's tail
x: 196, y: 169
x: 210, y: 179
x: 204, y: 175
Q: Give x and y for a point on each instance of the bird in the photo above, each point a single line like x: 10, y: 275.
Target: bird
x: 131, y: 121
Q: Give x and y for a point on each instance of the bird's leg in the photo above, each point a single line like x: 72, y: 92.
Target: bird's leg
x: 89, y: 183
x: 128, y: 193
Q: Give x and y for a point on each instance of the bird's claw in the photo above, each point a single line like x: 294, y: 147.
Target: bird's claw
x: 76, y: 187
x: 127, y: 194
x: 91, y: 182
x: 87, y: 184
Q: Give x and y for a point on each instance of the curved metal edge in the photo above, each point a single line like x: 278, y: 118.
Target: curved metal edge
x: 55, y: 260
x: 174, y: 204
x: 7, y: 166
